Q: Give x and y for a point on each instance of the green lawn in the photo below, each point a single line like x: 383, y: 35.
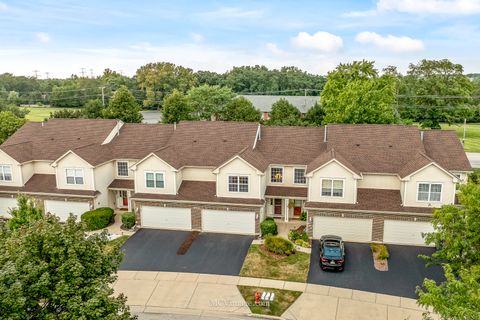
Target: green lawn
x: 38, y: 114
x: 472, y: 136
x: 257, y: 264
x: 282, y: 301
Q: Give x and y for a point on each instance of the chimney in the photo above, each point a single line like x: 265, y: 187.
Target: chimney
x: 325, y: 134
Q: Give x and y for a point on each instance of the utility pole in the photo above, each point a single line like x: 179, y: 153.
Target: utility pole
x: 82, y: 72
x: 103, y: 97
x: 91, y: 73
x: 47, y: 74
x: 36, y: 73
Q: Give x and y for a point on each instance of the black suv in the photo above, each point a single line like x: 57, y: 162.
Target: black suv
x: 332, y: 252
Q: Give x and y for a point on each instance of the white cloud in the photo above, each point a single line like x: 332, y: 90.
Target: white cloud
x: 390, y: 43
x: 3, y: 7
x: 43, y: 37
x: 321, y: 41
x: 274, y: 49
x: 232, y: 12
x: 197, y: 37
x: 422, y: 7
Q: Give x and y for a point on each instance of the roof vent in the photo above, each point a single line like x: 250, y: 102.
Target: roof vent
x: 358, y: 144
x: 194, y: 140
x: 174, y: 126
x: 421, y: 135
x: 325, y: 134
x: 224, y: 140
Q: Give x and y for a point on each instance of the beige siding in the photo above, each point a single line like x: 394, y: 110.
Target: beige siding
x: 43, y: 167
x: 179, y: 178
x: 288, y: 176
x: 130, y: 172
x: 156, y: 165
x: 239, y: 167
x: 377, y: 181
x: 17, y: 181
x: 198, y: 174
x: 72, y: 161
x: 27, y: 171
x: 431, y: 174
x: 104, y: 175
x: 332, y: 171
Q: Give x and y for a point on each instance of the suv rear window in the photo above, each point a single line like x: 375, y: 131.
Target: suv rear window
x: 334, y: 252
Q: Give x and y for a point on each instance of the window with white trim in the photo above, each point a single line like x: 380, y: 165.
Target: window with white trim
x: 276, y: 174
x: 429, y: 192
x: 237, y: 183
x: 5, y: 173
x: 299, y: 176
x: 332, y: 188
x: 74, y: 176
x: 155, y: 180
x: 122, y: 168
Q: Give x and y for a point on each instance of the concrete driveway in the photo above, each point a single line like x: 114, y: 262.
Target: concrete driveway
x: 406, y: 270
x: 156, y: 250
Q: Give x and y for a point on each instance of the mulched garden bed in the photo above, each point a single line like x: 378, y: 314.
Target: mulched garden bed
x: 187, y: 243
x: 265, y: 251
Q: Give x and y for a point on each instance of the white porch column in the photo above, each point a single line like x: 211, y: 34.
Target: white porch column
x: 129, y: 201
x: 285, y: 209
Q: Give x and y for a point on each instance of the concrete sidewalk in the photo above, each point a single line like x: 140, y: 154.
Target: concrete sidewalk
x: 198, y: 294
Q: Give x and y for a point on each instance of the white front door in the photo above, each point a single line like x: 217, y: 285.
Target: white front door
x: 223, y: 221
x: 350, y: 229
x: 405, y: 232
x: 5, y: 205
x: 62, y: 209
x: 166, y: 218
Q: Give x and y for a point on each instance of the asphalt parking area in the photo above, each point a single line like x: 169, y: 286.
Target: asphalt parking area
x: 406, y: 270
x: 213, y: 253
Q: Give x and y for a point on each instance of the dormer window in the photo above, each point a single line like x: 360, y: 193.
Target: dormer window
x: 276, y: 174
x: 122, y: 168
x: 332, y: 188
x: 5, y: 173
x: 154, y: 180
x: 429, y: 192
x: 74, y: 176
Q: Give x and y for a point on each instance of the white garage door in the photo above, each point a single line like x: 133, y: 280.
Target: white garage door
x: 62, y: 209
x: 240, y: 222
x: 5, y: 205
x: 405, y: 232
x: 166, y: 218
x: 355, y: 230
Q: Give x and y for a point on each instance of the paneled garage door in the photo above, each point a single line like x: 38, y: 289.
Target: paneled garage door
x: 166, y: 218
x: 240, y: 222
x: 405, y: 232
x: 62, y: 209
x: 5, y: 205
x: 355, y: 230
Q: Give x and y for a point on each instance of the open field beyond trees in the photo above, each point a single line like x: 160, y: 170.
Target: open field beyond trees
x: 38, y: 114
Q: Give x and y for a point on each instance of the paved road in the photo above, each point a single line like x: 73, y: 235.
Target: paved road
x: 151, y: 116
x: 156, y: 250
x: 474, y: 158
x: 170, y: 316
x: 406, y: 270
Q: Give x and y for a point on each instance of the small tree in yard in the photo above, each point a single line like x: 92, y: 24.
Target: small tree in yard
x: 9, y: 123
x: 123, y: 106
x: 240, y: 109
x: 457, y: 235
x: 25, y: 213
x: 285, y: 114
x: 50, y: 270
x: 93, y: 109
x: 175, y: 108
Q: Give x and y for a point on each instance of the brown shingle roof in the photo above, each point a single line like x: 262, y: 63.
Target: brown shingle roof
x: 372, y: 200
x: 197, y: 191
x: 122, y: 184
x: 325, y: 157
x: 419, y: 161
x: 275, y: 191
x: 46, y: 184
x: 443, y: 146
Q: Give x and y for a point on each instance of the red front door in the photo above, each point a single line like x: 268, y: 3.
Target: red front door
x: 297, y: 211
x: 125, y: 201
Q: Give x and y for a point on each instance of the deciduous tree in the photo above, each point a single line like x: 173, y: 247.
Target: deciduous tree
x: 123, y: 106
x: 315, y: 115
x: 9, y: 123
x: 25, y: 213
x: 285, y: 114
x: 176, y: 108
x: 240, y: 109
x: 209, y: 101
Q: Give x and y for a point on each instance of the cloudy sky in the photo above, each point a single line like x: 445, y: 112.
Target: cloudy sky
x: 61, y: 37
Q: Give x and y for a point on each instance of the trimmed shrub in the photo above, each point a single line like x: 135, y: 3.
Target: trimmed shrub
x: 295, y: 235
x: 268, y: 227
x: 302, y: 243
x: 381, y: 251
x: 98, y: 218
x: 128, y: 220
x: 279, y: 245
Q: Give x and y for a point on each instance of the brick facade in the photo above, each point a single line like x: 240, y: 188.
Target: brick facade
x: 377, y: 218
x: 196, y: 212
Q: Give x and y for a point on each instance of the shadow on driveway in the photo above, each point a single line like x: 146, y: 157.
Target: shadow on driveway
x: 156, y: 250
x: 406, y: 270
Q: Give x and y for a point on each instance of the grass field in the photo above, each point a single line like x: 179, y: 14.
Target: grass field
x: 38, y: 114
x: 472, y: 136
